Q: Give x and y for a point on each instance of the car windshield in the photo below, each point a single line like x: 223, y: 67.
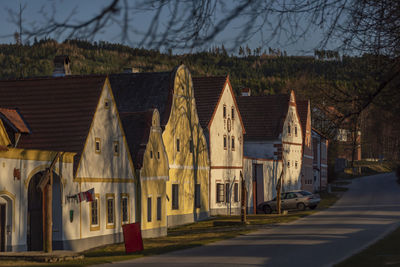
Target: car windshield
x: 305, y: 193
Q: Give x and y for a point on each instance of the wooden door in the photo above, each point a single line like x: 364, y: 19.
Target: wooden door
x: 35, y: 215
x: 2, y: 227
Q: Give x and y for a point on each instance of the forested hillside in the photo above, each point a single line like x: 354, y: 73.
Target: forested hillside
x: 262, y: 72
x: 326, y: 78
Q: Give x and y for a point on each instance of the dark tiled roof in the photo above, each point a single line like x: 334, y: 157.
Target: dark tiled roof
x: 263, y: 116
x: 15, y: 119
x: 207, y: 92
x: 302, y: 109
x: 137, y: 130
x: 135, y: 92
x: 59, y: 111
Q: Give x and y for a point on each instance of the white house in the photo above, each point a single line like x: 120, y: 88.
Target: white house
x: 74, y: 117
x: 320, y: 160
x: 273, y: 142
x: 221, y: 120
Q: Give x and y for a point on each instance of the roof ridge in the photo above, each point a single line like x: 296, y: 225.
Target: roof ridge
x: 81, y: 76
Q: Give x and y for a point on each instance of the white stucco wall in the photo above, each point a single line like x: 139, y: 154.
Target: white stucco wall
x: 105, y: 171
x: 226, y: 164
x: 292, y: 149
x: 13, y: 192
x: 271, y: 169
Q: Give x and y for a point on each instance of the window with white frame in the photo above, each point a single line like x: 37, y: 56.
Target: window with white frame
x: 124, y: 208
x: 220, y: 192
x: 95, y: 213
x: 110, y: 210
x: 97, y: 145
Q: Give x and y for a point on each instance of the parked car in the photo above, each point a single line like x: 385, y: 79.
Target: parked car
x: 299, y: 199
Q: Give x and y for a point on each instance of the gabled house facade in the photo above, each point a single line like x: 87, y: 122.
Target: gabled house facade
x: 144, y: 137
x: 73, y: 121
x: 221, y: 120
x: 307, y: 176
x: 172, y: 94
x: 272, y: 144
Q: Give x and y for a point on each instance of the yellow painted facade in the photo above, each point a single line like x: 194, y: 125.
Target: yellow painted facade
x: 153, y: 177
x: 187, y: 151
x: 4, y: 139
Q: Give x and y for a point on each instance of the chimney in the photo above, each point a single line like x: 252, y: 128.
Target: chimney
x: 131, y: 70
x: 246, y: 92
x: 61, y: 66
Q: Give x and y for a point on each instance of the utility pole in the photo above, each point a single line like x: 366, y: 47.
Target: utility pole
x: 279, y: 187
x: 243, y: 216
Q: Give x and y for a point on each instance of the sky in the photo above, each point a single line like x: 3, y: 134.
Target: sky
x: 87, y: 8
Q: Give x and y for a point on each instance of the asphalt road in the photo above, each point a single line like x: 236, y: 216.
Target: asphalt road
x: 365, y: 213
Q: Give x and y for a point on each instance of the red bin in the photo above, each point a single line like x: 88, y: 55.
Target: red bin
x: 132, y: 237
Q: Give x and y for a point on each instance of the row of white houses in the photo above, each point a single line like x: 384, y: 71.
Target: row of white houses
x: 161, y: 149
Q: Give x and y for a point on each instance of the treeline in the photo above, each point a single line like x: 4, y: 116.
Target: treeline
x: 264, y: 70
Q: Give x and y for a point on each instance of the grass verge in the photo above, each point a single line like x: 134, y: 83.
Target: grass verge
x: 385, y: 252
x: 186, y: 236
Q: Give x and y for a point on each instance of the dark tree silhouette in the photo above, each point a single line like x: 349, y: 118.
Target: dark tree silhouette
x: 355, y: 26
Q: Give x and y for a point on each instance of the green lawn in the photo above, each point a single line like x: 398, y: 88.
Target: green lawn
x: 385, y: 252
x: 186, y: 236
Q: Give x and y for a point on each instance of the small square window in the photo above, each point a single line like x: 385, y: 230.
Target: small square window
x: 107, y: 103
x: 97, y: 145
x: 116, y: 148
x: 177, y: 145
x: 225, y: 145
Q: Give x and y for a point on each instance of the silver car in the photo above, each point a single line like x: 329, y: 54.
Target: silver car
x: 299, y: 199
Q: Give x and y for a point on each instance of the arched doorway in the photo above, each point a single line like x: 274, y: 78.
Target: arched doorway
x: 35, y: 213
x: 7, y: 213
